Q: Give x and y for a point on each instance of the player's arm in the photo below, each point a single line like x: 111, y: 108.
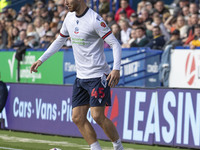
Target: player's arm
x: 105, y: 33
x: 53, y: 48
x: 114, y: 75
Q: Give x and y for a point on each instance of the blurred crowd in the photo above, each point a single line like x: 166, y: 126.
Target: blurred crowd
x: 153, y: 24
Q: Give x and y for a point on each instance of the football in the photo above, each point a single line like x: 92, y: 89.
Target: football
x: 55, y: 149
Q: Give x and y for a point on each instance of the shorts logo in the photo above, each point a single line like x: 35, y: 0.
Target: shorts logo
x: 76, y: 30
x: 103, y: 24
x: 190, y: 69
x: 113, y: 112
x: 100, y: 100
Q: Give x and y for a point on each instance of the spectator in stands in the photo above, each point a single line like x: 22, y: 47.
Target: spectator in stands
x: 45, y: 15
x: 46, y: 26
x: 25, y: 15
x: 157, y: 21
x: 190, y: 32
x: 5, y: 14
x: 140, y: 6
x: 36, y: 13
x: 133, y: 18
x: 31, y: 41
x: 196, y: 42
x: 123, y: 16
x: 179, y: 23
x: 144, y: 17
x: 9, y: 40
x: 125, y: 31
x: 174, y: 40
x: 39, y: 4
x: 185, y: 12
x: 4, y: 36
x: 104, y: 16
x: 56, y: 19
x: 115, y: 28
x: 193, y: 8
x: 47, y: 40
x: 132, y: 39
x: 159, y: 6
x: 136, y: 24
x: 20, y: 42
x: 21, y: 23
x: 61, y: 9
x: 29, y: 9
x: 53, y: 27
x: 124, y: 6
x: 110, y: 19
x: 141, y: 40
x: 8, y: 23
x: 38, y: 26
x: 149, y: 7
x: 182, y: 3
x: 158, y: 40
x: 30, y: 28
x: 181, y: 26
x: 2, y: 46
x: 103, y: 6
x: 51, y: 6
x: 14, y: 37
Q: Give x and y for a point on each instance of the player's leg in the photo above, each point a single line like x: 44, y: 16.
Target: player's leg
x: 79, y: 118
x: 107, y: 126
x: 80, y: 104
x: 99, y: 98
x: 105, y: 123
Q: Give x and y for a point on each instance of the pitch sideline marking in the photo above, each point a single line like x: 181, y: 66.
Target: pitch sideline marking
x: 10, y: 148
x: 58, y: 143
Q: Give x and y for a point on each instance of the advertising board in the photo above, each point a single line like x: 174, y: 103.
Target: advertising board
x: 146, y: 116
x: 50, y: 72
x: 185, y: 69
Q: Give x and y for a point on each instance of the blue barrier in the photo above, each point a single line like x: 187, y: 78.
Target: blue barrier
x: 139, y: 67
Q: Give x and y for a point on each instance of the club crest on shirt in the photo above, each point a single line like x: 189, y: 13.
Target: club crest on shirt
x: 103, y: 24
x: 76, y: 30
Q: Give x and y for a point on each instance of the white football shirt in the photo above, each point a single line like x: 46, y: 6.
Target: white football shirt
x: 87, y: 33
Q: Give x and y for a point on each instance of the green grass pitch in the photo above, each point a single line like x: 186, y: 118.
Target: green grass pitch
x: 13, y: 140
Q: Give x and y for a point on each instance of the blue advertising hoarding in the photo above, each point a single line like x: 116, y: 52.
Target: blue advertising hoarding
x: 136, y: 65
x: 146, y: 116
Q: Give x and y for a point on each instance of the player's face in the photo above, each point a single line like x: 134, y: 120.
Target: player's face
x: 72, y: 5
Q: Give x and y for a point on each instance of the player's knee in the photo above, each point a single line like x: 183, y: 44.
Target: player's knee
x: 78, y: 119
x: 98, y: 118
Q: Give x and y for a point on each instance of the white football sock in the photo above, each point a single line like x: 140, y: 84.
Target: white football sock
x: 95, y: 146
x: 118, y: 145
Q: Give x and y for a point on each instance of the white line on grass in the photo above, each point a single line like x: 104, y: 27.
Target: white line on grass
x: 10, y: 148
x: 53, y: 143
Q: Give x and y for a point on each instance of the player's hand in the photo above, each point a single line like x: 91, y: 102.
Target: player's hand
x: 113, y: 78
x: 35, y: 65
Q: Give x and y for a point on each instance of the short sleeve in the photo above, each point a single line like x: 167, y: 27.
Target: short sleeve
x: 101, y: 27
x: 63, y: 31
